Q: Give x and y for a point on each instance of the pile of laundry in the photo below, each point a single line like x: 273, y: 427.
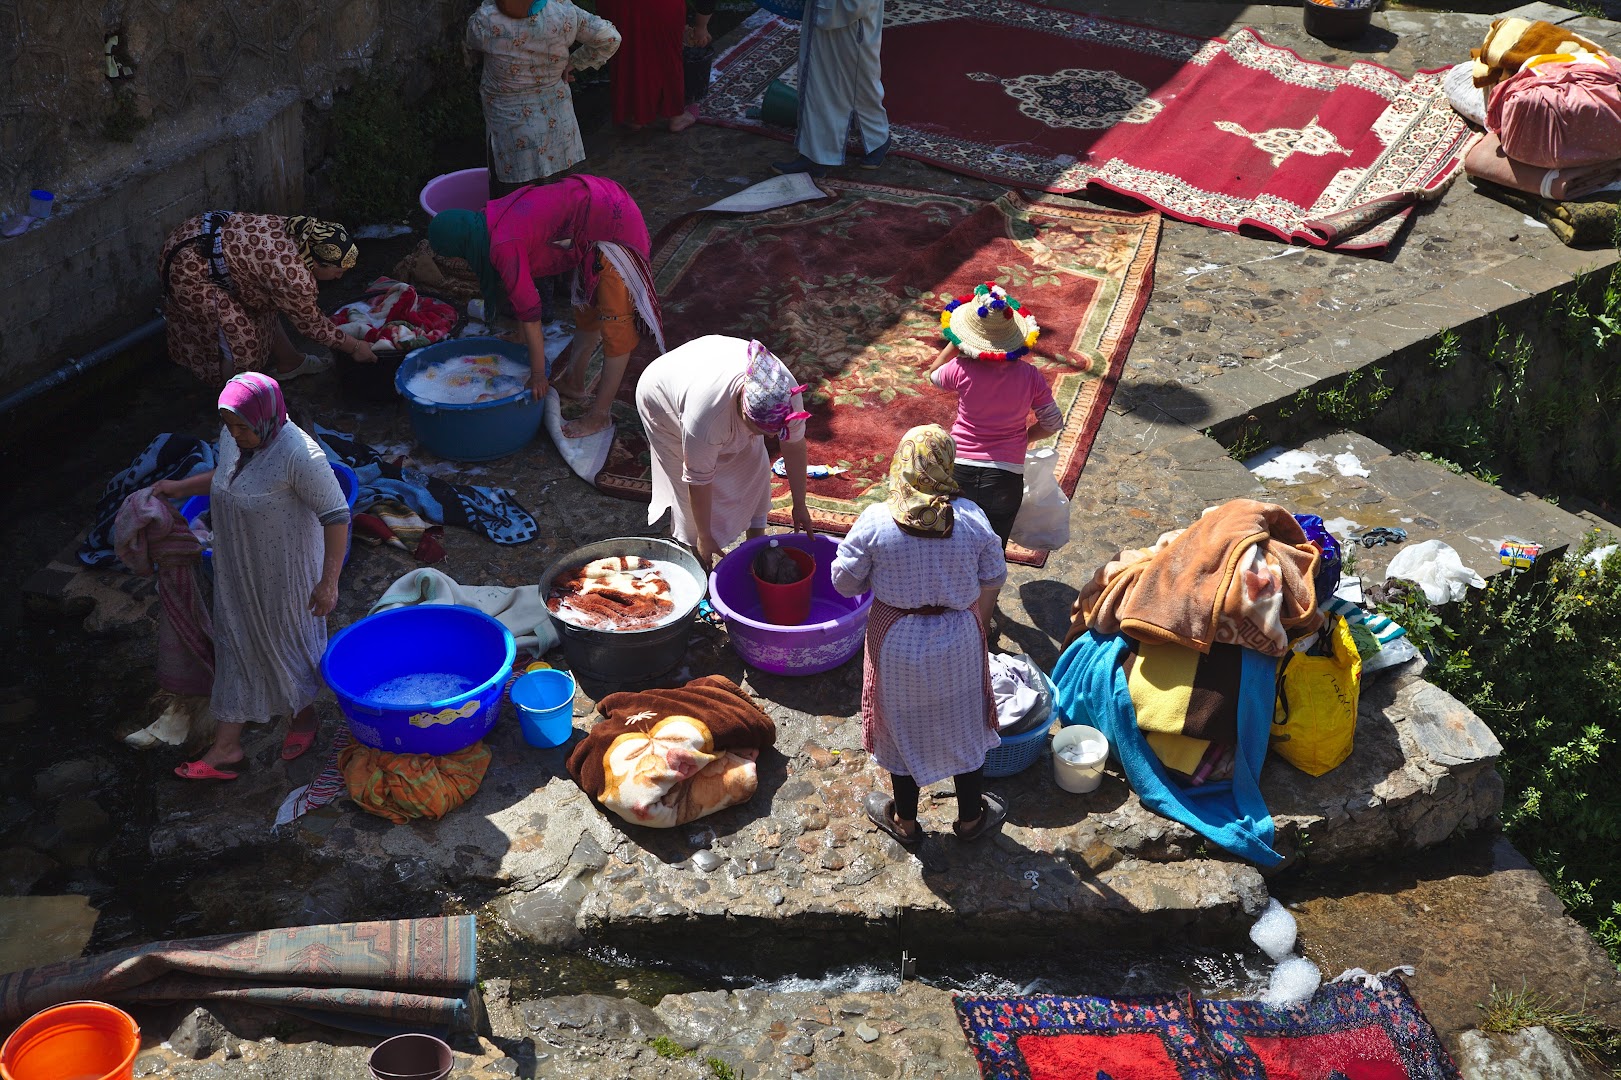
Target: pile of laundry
x: 1225, y: 640
x: 1550, y: 103
x: 395, y: 316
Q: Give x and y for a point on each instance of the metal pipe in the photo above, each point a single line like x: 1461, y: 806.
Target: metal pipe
x: 74, y: 368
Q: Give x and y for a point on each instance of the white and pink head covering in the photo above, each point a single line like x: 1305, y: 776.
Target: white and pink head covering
x: 768, y: 392
x: 257, y: 399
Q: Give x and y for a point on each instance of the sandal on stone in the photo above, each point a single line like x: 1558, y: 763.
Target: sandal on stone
x: 202, y: 770
x: 309, y: 365
x: 990, y: 818
x: 296, y: 743
x: 881, y: 812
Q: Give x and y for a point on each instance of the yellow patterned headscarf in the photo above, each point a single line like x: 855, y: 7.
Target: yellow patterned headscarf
x: 323, y: 243
x: 921, y: 483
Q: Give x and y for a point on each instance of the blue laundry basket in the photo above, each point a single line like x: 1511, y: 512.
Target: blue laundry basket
x: 196, y: 506
x: 1017, y: 753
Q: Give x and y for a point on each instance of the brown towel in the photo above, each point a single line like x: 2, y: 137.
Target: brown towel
x: 666, y: 757
x: 1512, y: 41
x: 1241, y: 574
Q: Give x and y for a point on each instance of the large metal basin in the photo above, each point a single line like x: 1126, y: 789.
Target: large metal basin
x: 633, y: 654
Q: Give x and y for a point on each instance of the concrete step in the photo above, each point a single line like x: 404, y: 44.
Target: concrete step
x: 1355, y: 483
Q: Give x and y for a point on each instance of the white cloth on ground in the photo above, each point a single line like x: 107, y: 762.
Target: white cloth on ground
x: 521, y: 610
x: 268, y: 550
x: 840, y: 78
x: 696, y: 434
x: 585, y: 456
x: 931, y: 720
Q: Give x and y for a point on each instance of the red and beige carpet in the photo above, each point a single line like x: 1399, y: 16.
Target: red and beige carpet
x: 1345, y: 1032
x: 848, y: 292
x: 1235, y: 134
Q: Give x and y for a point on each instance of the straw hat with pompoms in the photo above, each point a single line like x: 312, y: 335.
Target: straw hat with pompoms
x: 989, y: 325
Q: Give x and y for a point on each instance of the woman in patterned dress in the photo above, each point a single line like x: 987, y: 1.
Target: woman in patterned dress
x: 281, y: 525
x: 228, y: 276
x: 934, y: 566
x: 529, y: 122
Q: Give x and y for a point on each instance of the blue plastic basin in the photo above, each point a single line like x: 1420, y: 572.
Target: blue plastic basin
x: 481, y: 432
x: 433, y: 639
x: 544, y: 702
x: 197, y: 505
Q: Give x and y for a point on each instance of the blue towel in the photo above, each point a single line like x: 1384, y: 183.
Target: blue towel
x: 1091, y: 685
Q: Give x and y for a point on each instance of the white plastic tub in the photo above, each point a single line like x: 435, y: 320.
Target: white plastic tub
x: 1086, y: 774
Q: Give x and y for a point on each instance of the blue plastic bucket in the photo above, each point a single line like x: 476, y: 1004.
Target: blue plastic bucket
x: 197, y: 505
x: 434, y: 639
x: 481, y: 432
x: 544, y: 701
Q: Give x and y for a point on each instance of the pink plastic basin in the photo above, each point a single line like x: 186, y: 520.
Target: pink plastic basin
x: 831, y: 634
x: 468, y: 189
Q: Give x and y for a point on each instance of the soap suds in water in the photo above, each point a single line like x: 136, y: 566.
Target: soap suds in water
x: 1349, y: 465
x: 1285, y: 466
x: 426, y: 688
x: 1341, y: 526
x: 469, y: 380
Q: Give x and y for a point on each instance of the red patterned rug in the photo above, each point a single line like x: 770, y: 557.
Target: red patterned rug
x: 848, y: 292
x: 1346, y: 1032
x: 1232, y: 134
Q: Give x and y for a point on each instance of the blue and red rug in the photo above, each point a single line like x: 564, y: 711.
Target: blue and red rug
x: 1346, y: 1032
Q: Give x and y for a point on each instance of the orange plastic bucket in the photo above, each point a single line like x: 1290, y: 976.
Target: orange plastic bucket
x: 787, y: 605
x: 78, y: 1040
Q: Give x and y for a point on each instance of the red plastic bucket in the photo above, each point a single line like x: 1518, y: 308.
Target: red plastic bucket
x: 787, y: 605
x: 77, y: 1040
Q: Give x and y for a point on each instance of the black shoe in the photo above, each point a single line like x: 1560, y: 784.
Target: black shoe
x: 800, y: 164
x: 874, y: 159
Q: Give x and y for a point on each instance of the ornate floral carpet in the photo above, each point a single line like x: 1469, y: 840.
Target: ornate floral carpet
x: 848, y: 290
x: 1346, y: 1032
x: 1232, y: 134
x: 411, y: 974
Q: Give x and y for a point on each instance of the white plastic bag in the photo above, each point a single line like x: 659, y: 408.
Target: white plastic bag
x: 1043, y: 521
x: 1437, y: 569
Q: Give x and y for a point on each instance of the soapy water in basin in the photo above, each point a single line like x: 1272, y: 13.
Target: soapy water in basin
x: 468, y: 380
x: 685, y: 592
x: 1084, y: 751
x: 420, y: 689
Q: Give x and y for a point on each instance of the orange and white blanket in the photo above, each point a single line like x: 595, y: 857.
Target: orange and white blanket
x: 621, y: 592
x: 1241, y: 574
x: 662, y: 758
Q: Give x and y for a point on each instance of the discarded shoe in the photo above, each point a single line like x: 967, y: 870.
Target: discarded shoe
x: 202, y: 770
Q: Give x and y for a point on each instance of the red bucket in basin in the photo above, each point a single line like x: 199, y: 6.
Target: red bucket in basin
x: 787, y: 605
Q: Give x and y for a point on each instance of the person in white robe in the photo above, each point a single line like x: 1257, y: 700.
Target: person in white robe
x: 840, y: 85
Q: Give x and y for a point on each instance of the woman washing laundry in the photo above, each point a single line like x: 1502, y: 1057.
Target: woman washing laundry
x: 649, y: 83
x: 934, y: 566
x: 529, y: 125
x: 584, y: 224
x: 227, y: 277
x: 280, y: 525
x: 708, y: 407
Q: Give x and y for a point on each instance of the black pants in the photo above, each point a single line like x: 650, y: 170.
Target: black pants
x: 995, y: 491
x: 970, y: 789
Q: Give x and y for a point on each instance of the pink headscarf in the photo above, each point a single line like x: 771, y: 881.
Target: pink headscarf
x: 587, y: 209
x: 257, y: 399
x: 768, y: 392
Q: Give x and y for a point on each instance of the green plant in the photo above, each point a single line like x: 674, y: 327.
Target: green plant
x: 668, y: 1049
x: 720, y: 1070
x: 1354, y: 400
x: 1507, y: 1011
x: 1538, y: 658
x: 1249, y: 440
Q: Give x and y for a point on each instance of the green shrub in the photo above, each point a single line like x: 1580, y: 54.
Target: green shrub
x: 1538, y: 658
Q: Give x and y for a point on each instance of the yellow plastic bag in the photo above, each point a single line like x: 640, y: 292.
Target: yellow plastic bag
x: 1314, y: 721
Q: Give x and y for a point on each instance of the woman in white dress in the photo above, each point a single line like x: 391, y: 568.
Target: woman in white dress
x: 934, y: 565
x: 280, y: 524
x: 707, y: 407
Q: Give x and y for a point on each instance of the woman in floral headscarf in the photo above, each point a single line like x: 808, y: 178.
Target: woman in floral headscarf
x: 280, y: 524
x: 227, y: 276
x: 708, y: 407
x: 934, y: 566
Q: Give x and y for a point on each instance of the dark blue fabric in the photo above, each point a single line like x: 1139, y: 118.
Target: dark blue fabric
x: 167, y: 457
x: 1328, y: 568
x: 1091, y: 689
x: 494, y: 513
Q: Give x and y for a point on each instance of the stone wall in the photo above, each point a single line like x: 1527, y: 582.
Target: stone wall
x: 213, y: 115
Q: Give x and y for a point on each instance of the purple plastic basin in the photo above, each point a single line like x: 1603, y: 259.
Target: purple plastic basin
x: 830, y: 635
x: 468, y: 189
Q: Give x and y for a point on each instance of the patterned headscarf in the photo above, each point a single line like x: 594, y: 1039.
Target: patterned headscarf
x: 256, y: 398
x: 323, y: 243
x: 768, y: 392
x: 921, y: 483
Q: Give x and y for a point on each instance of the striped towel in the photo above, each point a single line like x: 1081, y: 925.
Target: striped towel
x: 1384, y: 630
x: 320, y: 791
